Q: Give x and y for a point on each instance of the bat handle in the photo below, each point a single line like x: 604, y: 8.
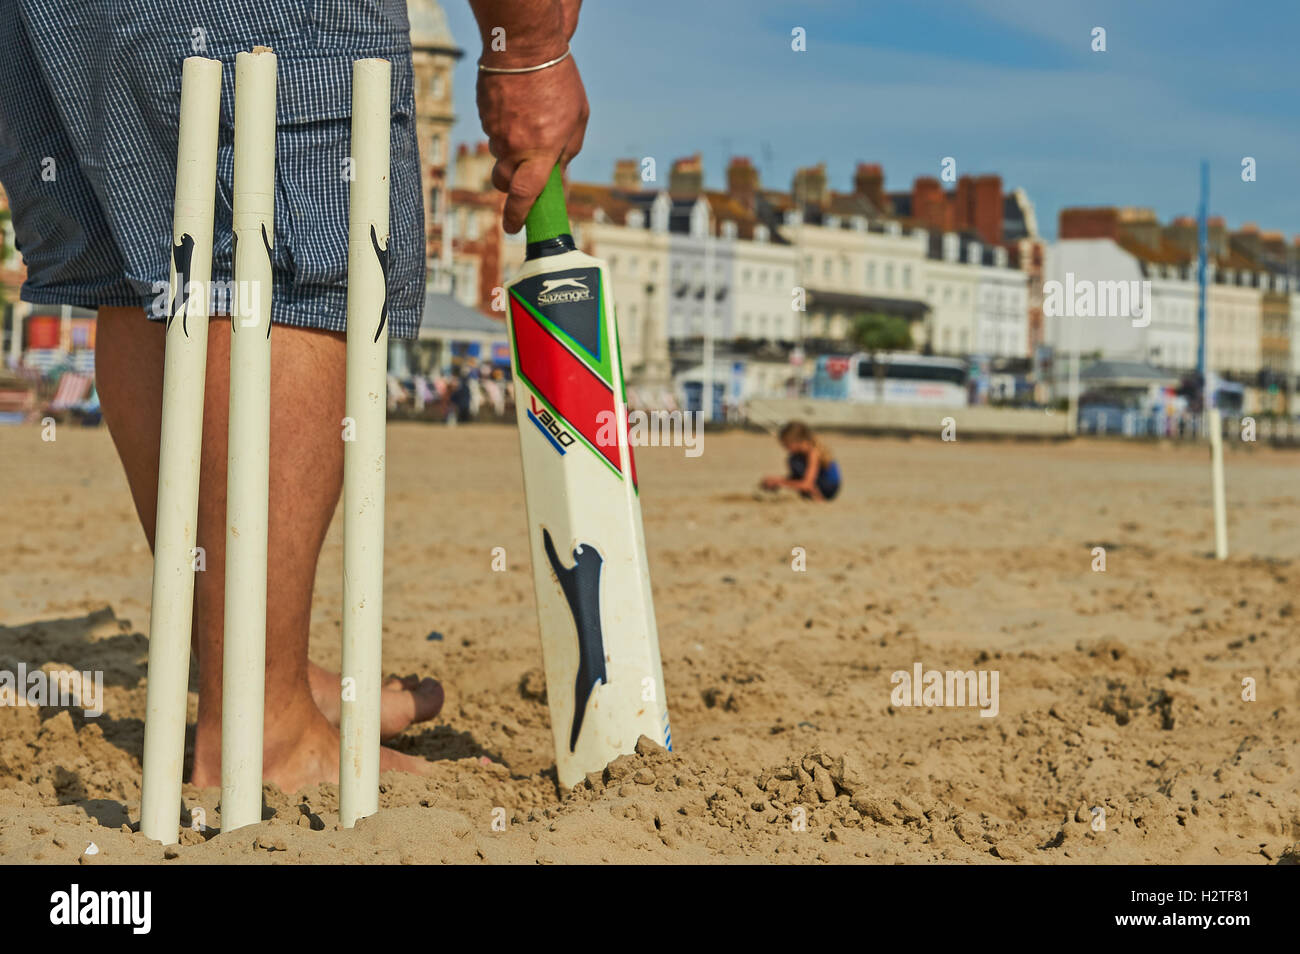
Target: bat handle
x: 548, y: 219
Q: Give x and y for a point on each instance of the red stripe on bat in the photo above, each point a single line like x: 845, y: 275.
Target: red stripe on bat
x: 570, y: 386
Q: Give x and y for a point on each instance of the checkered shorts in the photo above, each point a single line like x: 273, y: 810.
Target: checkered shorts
x: 89, y: 106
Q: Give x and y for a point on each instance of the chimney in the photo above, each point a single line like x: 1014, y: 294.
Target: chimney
x: 929, y: 205
x: 1140, y: 225
x: 964, y: 209
x: 810, y: 186
x: 687, y: 177
x: 742, y: 181
x: 869, y: 182
x: 1089, y: 223
x: 987, y: 213
x: 627, y: 175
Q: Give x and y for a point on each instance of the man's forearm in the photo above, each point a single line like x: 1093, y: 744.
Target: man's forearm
x: 532, y: 31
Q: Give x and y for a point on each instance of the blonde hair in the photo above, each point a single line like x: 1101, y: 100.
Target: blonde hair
x: 798, y: 431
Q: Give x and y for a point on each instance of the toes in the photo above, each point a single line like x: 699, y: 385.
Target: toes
x: 418, y: 704
x: 429, y: 697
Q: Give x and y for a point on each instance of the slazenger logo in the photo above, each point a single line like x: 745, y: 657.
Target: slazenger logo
x: 543, y: 418
x: 555, y: 290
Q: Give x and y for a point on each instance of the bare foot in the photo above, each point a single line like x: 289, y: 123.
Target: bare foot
x: 306, y: 757
x: 314, y: 758
x: 406, y: 700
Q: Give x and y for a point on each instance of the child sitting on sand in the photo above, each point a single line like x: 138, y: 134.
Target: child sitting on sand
x: 813, y: 470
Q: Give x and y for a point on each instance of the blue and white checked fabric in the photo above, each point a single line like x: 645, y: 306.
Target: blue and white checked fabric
x: 89, y: 108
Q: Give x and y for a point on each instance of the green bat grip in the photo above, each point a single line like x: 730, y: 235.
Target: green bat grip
x: 548, y: 217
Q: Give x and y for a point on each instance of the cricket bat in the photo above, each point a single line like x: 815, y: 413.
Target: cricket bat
x: 604, y: 680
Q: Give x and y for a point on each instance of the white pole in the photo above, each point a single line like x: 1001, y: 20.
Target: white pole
x: 363, y: 452
x: 1216, y: 473
x: 243, y: 686
x: 21, y: 310
x: 706, y: 384
x: 180, y: 449
x: 1072, y: 414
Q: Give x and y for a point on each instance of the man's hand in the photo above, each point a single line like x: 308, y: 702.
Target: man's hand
x: 533, y: 120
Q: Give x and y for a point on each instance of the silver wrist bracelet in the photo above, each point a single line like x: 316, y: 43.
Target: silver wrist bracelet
x: 524, y: 69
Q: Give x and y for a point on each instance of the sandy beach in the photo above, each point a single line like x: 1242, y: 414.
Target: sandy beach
x: 1120, y: 692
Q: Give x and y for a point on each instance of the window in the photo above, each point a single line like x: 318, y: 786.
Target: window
x: 826, y: 268
x: 762, y: 277
x: 907, y: 276
x: 746, y: 277
x: 889, y: 274
x: 871, y: 273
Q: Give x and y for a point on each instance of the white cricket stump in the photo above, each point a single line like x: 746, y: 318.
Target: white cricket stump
x: 363, y: 450
x: 1216, y: 477
x: 180, y: 450
x: 243, y: 683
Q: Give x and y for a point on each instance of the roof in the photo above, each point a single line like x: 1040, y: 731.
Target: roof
x: 586, y: 198
x: 443, y: 313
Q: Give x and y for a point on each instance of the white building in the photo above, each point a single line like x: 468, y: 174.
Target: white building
x: 1162, y: 331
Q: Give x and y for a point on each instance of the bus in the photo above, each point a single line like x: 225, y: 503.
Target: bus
x: 909, y: 379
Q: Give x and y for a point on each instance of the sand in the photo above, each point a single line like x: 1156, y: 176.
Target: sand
x: 1122, y: 735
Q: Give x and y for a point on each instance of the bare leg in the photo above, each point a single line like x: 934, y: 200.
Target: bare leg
x: 301, y: 747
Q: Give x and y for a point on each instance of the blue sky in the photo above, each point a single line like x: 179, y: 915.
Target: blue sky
x: 1005, y: 86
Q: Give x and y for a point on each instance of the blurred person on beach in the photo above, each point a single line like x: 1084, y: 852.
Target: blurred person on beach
x: 88, y: 160
x: 812, y: 469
